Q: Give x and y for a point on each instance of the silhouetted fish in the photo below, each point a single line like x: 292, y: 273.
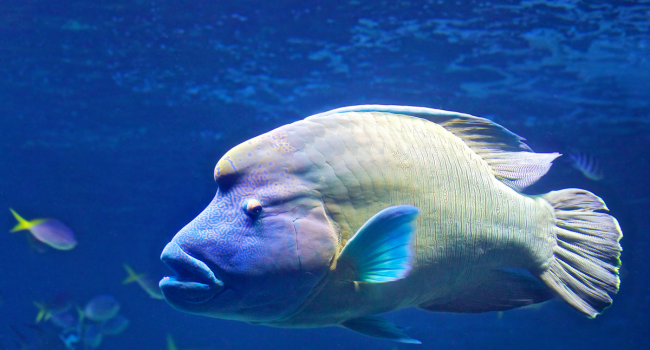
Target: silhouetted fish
x: 114, y: 325
x: 587, y: 164
x: 67, y: 320
x: 102, y: 308
x: 59, y: 303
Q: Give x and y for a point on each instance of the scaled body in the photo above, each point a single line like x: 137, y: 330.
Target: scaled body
x: 271, y: 247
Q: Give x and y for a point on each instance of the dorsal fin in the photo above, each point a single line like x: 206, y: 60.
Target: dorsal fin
x: 514, y: 163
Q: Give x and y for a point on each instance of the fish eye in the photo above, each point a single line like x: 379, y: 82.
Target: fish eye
x: 253, y: 207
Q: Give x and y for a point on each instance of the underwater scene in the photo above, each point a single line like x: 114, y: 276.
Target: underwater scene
x: 324, y: 175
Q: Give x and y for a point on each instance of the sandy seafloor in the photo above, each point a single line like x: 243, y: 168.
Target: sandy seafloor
x: 113, y: 115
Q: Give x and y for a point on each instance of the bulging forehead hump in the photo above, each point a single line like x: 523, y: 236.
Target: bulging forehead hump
x: 270, y: 157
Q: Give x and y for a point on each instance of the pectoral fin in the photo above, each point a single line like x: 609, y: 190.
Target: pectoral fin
x: 382, y: 250
x: 504, y: 289
x: 379, y: 327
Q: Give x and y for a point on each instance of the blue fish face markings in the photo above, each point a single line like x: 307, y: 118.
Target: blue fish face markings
x: 254, y: 254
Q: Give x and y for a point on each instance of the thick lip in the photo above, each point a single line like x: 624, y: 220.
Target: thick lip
x: 195, y: 282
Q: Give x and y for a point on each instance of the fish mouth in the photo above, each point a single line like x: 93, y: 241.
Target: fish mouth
x: 195, y: 282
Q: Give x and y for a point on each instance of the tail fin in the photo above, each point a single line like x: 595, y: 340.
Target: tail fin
x: 22, y: 223
x: 132, y: 276
x: 584, y: 267
x: 43, y: 312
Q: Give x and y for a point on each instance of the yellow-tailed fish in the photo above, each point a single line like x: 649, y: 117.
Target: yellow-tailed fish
x: 369, y: 209
x: 49, y: 231
x: 148, y: 285
x: 57, y: 304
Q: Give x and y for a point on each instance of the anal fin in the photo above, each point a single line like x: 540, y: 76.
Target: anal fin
x: 504, y: 289
x: 379, y: 327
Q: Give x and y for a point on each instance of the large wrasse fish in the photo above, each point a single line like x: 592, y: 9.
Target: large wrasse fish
x: 368, y: 209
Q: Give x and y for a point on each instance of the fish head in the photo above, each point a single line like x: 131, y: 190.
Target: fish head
x: 263, y: 244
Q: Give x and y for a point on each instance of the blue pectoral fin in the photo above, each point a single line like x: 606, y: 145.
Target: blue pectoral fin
x: 378, y: 327
x: 383, y: 248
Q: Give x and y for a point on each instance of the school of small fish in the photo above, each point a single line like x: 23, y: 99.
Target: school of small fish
x: 83, y: 327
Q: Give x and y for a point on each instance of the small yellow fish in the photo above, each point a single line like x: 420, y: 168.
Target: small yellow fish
x: 143, y: 281
x: 57, y: 304
x: 49, y: 231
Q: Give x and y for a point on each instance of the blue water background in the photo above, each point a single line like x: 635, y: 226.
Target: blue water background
x: 113, y: 115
